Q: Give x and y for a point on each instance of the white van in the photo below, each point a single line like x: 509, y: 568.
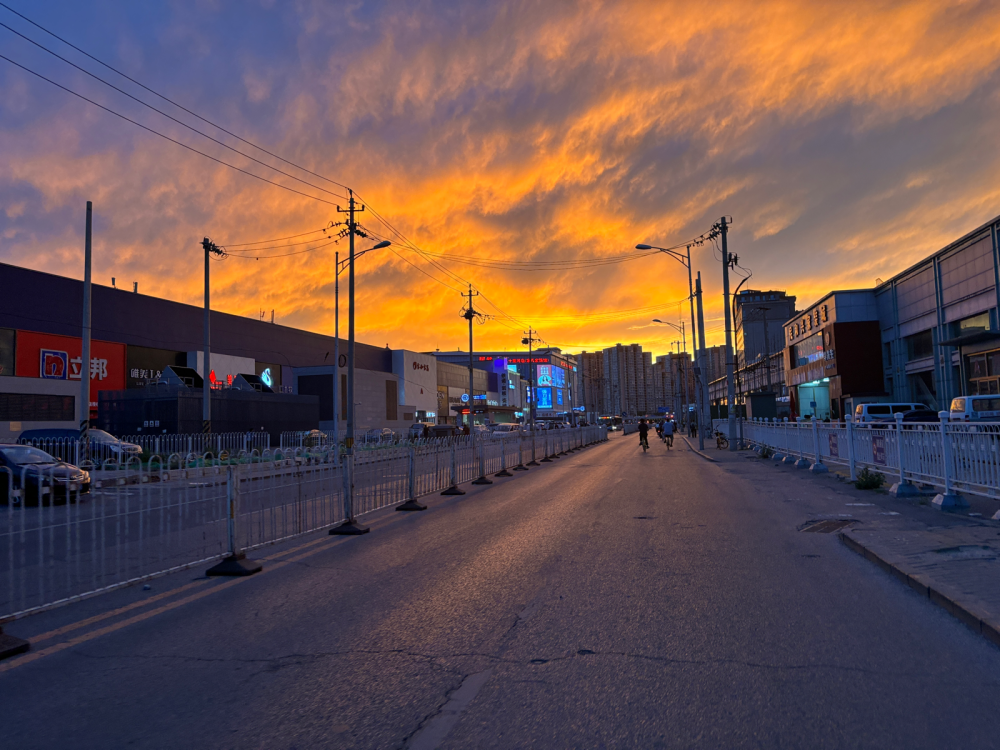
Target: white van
x: 975, y: 409
x: 866, y: 413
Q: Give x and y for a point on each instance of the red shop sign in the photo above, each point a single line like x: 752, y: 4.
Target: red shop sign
x: 45, y: 355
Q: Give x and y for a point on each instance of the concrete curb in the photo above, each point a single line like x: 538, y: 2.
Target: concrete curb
x: 972, y: 620
x: 695, y: 450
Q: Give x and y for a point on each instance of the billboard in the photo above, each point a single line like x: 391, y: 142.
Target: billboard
x: 543, y: 377
x: 544, y: 398
x: 44, y: 355
x: 559, y: 396
x: 558, y: 376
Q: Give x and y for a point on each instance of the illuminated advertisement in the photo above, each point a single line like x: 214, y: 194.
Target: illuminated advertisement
x: 544, y: 398
x: 544, y: 377
x: 558, y: 377
x: 559, y: 397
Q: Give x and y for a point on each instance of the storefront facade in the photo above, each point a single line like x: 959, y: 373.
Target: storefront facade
x: 833, y: 355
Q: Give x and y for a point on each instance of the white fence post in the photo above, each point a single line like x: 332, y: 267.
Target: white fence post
x: 503, y: 458
x: 850, y: 447
x: 454, y: 489
x: 818, y: 467
x: 411, y: 485
x: 949, y: 500
x: 482, y: 479
x: 236, y: 563
x: 520, y: 453
x: 802, y: 462
x: 902, y: 488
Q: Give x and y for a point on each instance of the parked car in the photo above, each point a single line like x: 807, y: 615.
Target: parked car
x: 506, y: 428
x: 102, y: 444
x: 975, y: 409
x: 40, y: 474
x: 866, y: 413
x: 909, y: 417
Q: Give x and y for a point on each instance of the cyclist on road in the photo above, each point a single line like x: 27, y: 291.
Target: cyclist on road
x: 668, y: 433
x: 643, y: 434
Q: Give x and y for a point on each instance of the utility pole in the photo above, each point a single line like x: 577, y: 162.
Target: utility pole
x: 530, y: 340
x: 206, y: 407
x: 336, y: 354
x: 85, y: 354
x: 350, y: 526
x: 704, y: 411
x: 730, y: 371
x: 470, y: 314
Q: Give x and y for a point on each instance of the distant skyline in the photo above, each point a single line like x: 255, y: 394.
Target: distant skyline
x: 847, y: 141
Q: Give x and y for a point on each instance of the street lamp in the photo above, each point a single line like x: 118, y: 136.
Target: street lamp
x: 686, y: 420
x: 699, y: 337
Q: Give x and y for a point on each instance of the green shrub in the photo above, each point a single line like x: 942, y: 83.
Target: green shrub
x: 766, y: 452
x: 869, y: 480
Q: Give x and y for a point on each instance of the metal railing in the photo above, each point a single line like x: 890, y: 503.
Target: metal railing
x: 122, y: 449
x: 141, y: 519
x: 954, y: 456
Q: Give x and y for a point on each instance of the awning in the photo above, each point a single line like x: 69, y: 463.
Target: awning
x: 967, y: 339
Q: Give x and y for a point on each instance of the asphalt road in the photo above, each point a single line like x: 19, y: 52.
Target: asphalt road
x: 610, y: 599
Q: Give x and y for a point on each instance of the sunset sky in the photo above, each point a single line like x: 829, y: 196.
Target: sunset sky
x: 847, y: 140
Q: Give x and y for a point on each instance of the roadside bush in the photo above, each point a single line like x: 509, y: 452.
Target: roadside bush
x: 869, y: 480
x: 766, y: 452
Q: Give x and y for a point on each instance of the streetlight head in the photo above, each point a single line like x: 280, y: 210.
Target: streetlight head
x: 643, y: 247
x: 657, y: 320
x: 383, y: 243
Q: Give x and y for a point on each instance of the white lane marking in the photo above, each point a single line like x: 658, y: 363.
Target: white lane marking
x: 434, y: 732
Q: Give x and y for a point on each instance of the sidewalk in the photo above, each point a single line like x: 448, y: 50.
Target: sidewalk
x: 951, y: 558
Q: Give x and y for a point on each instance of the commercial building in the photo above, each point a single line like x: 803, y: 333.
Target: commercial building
x: 555, y: 375
x: 136, y: 337
x: 940, y: 331
x: 832, y: 356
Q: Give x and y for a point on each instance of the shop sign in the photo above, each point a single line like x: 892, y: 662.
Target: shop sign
x: 145, y: 365
x: 43, y: 355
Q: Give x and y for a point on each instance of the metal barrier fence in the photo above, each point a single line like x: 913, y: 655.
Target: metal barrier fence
x: 124, y: 447
x: 954, y: 456
x: 143, y: 519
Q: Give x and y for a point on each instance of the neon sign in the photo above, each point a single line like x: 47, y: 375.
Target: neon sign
x: 266, y: 377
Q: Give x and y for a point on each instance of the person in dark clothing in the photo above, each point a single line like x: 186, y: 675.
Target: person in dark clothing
x: 643, y: 434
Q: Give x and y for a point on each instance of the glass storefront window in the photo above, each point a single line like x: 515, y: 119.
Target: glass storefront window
x: 979, y: 322
x: 808, y: 350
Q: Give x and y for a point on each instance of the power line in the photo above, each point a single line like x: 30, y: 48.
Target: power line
x: 171, y: 101
x: 169, y: 117
x: 276, y: 239
x: 161, y: 135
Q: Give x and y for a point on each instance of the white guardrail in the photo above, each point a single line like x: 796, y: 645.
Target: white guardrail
x: 145, y: 517
x: 954, y: 456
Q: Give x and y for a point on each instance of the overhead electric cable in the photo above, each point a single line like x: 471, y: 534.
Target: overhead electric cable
x: 170, y: 117
x: 165, y: 137
x: 167, y: 99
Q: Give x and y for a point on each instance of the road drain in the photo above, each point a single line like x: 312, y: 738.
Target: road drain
x: 826, y: 526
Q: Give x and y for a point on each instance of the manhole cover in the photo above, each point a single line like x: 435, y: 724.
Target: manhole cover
x: 826, y: 526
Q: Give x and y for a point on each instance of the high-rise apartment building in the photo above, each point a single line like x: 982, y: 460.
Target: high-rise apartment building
x: 592, y: 377
x: 625, y: 377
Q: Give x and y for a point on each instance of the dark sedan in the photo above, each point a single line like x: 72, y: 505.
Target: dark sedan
x: 33, y: 474
x: 914, y: 415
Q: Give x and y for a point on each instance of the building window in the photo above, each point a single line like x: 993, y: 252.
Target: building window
x: 979, y: 322
x: 920, y: 345
x: 391, y: 401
